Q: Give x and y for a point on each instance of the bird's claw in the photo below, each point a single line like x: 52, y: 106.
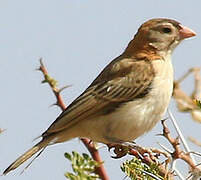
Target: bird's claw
x: 119, y: 150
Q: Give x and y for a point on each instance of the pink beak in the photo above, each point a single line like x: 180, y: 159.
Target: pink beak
x: 186, y: 32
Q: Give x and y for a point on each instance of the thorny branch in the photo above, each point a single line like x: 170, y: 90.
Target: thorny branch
x: 151, y: 155
x: 89, y: 145
x: 178, y: 153
x: 189, y: 103
x: 147, y: 156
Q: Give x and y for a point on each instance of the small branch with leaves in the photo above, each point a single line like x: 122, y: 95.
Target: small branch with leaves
x: 83, y: 166
x: 147, y: 157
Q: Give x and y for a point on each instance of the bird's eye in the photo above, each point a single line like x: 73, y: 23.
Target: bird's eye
x: 166, y: 30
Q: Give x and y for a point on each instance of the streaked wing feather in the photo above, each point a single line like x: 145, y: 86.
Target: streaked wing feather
x: 102, y: 94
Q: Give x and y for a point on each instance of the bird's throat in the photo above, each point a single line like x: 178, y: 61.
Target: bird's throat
x: 141, y: 50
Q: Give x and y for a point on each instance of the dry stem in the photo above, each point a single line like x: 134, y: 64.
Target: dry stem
x: 178, y: 153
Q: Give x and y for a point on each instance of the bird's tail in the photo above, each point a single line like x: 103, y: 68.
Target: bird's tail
x: 28, y: 154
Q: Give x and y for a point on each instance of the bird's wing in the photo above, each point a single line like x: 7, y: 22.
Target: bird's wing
x: 121, y: 81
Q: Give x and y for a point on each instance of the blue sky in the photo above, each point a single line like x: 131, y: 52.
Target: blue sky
x: 76, y: 39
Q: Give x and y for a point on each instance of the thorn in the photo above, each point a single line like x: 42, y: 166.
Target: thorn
x: 196, y: 153
x: 140, y: 155
x: 173, y: 172
x: 149, y: 174
x: 189, y: 176
x: 67, y: 86
x: 38, y: 69
x: 164, y: 148
x: 163, y: 122
x: 177, y: 140
x: 198, y: 164
x: 37, y: 138
x: 54, y: 104
x: 44, y: 81
x: 90, y: 141
x: 41, y: 61
x: 165, y: 119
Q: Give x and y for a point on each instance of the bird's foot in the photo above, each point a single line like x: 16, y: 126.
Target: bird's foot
x: 123, y: 148
x: 119, y: 150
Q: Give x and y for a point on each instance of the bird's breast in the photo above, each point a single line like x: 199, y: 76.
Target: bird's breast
x: 136, y: 117
x: 132, y: 119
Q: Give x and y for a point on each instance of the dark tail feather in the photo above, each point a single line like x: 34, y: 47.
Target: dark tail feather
x: 33, y: 160
x: 40, y: 146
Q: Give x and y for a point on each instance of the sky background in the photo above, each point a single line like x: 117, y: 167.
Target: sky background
x: 76, y: 39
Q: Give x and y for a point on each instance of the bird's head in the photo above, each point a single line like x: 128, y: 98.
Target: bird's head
x: 158, y: 36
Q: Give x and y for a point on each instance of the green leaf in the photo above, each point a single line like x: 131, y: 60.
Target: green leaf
x: 68, y: 156
x: 86, y: 156
x: 198, y: 103
x: 136, y: 169
x: 83, y: 167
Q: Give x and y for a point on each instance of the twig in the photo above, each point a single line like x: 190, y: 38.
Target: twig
x: 178, y: 174
x: 189, y: 103
x: 196, y: 153
x: 180, y: 154
x: 186, y: 147
x: 150, y: 174
x: 89, y: 145
x: 147, y: 156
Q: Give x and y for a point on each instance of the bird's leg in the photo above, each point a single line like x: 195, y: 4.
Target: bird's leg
x: 122, y: 148
x: 119, y: 150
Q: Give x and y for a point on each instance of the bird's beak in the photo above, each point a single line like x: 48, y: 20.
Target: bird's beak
x: 186, y: 32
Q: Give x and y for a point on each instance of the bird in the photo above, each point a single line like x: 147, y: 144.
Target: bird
x: 127, y: 98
